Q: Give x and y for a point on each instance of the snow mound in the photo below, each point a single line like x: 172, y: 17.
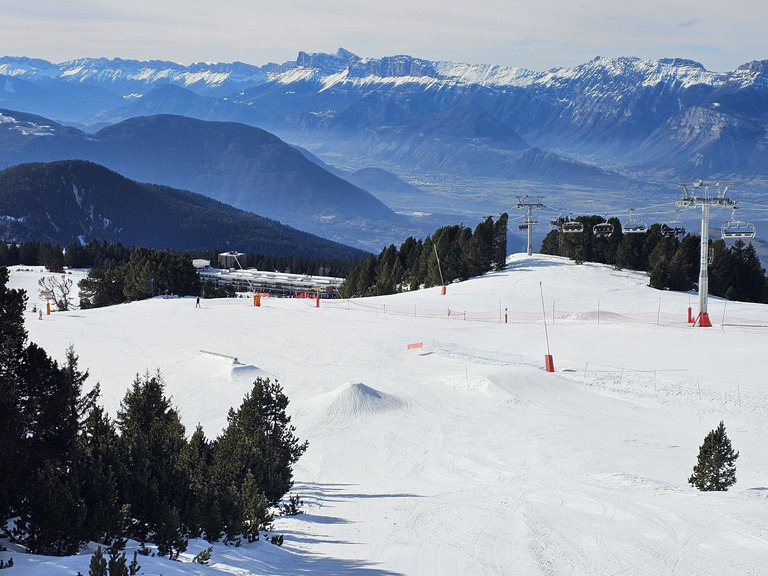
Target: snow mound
x: 208, y: 385
x: 353, y: 401
x: 208, y: 366
x: 478, y: 384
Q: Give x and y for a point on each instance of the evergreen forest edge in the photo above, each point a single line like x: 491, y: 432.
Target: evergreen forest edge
x: 672, y: 263
x: 73, y: 475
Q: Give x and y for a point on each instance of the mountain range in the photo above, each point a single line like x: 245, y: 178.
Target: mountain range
x: 470, y: 138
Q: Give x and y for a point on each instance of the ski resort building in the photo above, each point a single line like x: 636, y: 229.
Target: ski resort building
x: 273, y: 283
x: 233, y: 260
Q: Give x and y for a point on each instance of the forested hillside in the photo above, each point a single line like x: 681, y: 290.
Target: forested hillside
x: 73, y: 200
x: 451, y: 253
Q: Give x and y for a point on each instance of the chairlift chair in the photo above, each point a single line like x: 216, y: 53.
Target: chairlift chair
x: 737, y: 229
x: 527, y: 223
x: 573, y: 226
x: 673, y: 228
x: 602, y: 230
x: 633, y: 225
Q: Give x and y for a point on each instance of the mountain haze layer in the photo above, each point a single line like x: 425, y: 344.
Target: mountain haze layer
x: 601, y: 137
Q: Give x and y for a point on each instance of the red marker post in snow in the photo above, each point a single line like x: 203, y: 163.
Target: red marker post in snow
x: 549, y: 364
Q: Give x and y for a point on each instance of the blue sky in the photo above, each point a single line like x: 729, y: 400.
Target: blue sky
x: 535, y: 35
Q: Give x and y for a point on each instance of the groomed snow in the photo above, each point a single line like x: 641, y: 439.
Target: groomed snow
x: 465, y: 456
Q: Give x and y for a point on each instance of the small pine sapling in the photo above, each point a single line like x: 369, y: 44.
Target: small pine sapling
x: 204, y: 556
x: 98, y: 565
x: 716, y: 466
x: 134, y: 566
x: 292, y: 507
x: 117, y: 564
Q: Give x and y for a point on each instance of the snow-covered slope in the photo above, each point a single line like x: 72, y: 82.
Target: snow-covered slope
x: 465, y: 456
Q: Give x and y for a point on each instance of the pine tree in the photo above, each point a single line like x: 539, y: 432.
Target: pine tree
x: 51, y: 517
x: 100, y: 472
x: 117, y: 564
x: 13, y: 338
x: 716, y: 467
x: 98, y: 566
x: 134, y: 566
x: 280, y: 448
x: 500, y: 242
x: 152, y: 440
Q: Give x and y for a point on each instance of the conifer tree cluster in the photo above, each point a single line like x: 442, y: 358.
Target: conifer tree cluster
x: 462, y: 254
x: 70, y: 474
x: 672, y: 264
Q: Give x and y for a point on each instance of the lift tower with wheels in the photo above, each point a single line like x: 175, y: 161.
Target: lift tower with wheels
x: 697, y: 194
x: 530, y: 221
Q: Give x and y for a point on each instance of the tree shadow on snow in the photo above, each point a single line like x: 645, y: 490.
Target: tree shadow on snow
x: 336, y: 567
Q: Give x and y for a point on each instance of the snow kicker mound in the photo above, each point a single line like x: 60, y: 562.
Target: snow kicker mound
x: 478, y: 384
x: 353, y: 401
x: 214, y: 371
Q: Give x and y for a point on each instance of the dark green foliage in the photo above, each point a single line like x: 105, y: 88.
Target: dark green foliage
x: 13, y: 421
x: 292, y: 507
x: 204, y: 556
x: 152, y: 272
x: 462, y: 254
x: 152, y: 441
x: 256, y: 514
x: 277, y: 539
x: 102, y: 287
x: 170, y: 535
x: 262, y: 419
x: 204, y: 502
x: 252, y: 462
x: 51, y: 517
x: 134, y: 566
x: 101, y: 473
x: 50, y: 506
x: 715, y: 469
x: 117, y: 564
x: 98, y: 566
x: 737, y: 274
x: 500, y: 242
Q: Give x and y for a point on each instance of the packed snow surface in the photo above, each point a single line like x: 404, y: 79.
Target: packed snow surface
x: 438, y: 443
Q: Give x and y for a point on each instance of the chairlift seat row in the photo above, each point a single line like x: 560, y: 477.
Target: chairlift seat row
x: 603, y: 230
x: 634, y: 227
x: 737, y: 229
x: 672, y: 229
x: 573, y: 226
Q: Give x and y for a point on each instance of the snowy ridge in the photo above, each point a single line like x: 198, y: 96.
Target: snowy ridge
x: 332, y: 68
